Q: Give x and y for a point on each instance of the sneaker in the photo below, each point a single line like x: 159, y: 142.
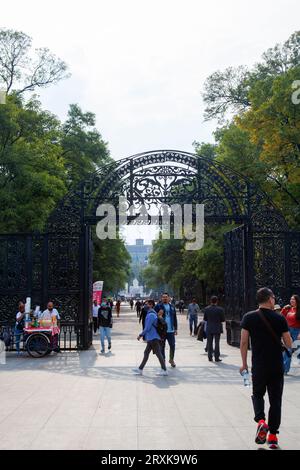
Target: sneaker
x: 172, y: 363
x: 218, y: 360
x: 102, y: 351
x: 162, y: 372
x: 137, y: 371
x: 272, y: 441
x: 261, y: 433
x: 109, y: 346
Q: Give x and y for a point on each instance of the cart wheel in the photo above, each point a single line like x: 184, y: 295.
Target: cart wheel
x: 37, y: 345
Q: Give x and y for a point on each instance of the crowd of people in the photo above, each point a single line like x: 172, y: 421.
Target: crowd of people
x: 272, y: 331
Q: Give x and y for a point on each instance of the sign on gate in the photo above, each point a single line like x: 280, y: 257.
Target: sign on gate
x: 97, y: 291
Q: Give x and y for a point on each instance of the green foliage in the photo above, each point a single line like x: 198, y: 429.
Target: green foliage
x: 262, y: 141
x: 111, y: 264
x: 184, y: 271
x: 32, y: 172
x: 83, y: 147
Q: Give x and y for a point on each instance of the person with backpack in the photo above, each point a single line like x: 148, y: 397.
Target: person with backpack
x: 169, y: 315
x: 266, y: 329
x: 19, y: 326
x: 151, y: 335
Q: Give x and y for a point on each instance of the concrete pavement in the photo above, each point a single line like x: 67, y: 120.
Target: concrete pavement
x: 87, y: 401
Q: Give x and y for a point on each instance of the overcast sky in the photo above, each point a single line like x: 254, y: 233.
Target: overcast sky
x: 140, y: 65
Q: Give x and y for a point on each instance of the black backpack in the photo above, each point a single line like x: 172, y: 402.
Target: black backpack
x: 161, y: 328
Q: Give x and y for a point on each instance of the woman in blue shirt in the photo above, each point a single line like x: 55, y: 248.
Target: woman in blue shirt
x: 153, y: 339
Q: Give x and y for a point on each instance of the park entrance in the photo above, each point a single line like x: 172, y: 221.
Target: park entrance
x: 57, y: 265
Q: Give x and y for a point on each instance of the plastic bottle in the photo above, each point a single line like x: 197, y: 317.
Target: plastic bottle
x: 246, y: 377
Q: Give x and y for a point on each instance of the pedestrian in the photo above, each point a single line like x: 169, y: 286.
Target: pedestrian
x: 143, y: 314
x: 19, y: 326
x: 118, y: 307
x: 169, y: 315
x: 52, y: 314
x: 214, y: 316
x: 150, y: 334
x: 181, y: 307
x: 105, y: 324
x: 292, y: 315
x: 138, y: 307
x: 131, y: 304
x: 95, y: 316
x: 193, y: 310
x: 265, y: 328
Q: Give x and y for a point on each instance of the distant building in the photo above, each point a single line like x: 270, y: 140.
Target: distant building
x: 139, y: 252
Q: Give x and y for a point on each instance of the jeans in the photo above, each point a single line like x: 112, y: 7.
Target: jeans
x: 272, y: 383
x: 286, y: 359
x: 18, y: 334
x: 213, y: 350
x: 171, y: 340
x: 193, y: 322
x: 105, y: 332
x: 154, y: 346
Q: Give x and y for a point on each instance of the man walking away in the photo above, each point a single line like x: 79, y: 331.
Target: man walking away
x: 169, y: 315
x: 143, y: 314
x: 105, y: 323
x: 193, y: 310
x: 95, y: 316
x: 138, y: 307
x: 266, y: 329
x: 214, y: 316
x: 153, y: 341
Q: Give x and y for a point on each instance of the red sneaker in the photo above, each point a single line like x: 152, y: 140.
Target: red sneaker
x: 272, y: 441
x: 261, y: 433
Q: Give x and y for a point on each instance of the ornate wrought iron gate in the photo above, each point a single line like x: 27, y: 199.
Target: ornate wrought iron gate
x: 57, y: 265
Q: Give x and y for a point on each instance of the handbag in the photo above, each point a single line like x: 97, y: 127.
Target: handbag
x: 278, y: 341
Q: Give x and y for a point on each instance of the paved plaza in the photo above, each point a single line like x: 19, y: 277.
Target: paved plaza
x: 88, y: 401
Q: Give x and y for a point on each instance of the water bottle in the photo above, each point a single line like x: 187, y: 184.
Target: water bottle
x: 246, y: 377
x: 27, y: 320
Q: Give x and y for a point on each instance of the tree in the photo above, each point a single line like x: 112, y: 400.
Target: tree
x: 111, y: 263
x: 22, y: 69
x: 224, y: 91
x: 262, y: 139
x: 230, y: 90
x: 205, y: 149
x: 32, y: 172
x: 84, y: 150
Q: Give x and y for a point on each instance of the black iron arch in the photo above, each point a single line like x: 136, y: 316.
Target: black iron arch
x: 169, y: 176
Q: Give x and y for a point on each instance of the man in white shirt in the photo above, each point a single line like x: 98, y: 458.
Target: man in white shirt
x: 95, y: 316
x: 50, y: 312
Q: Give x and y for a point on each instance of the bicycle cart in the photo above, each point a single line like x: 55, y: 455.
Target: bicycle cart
x: 39, y: 342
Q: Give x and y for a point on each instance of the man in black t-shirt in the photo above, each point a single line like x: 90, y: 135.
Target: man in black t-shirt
x: 266, y: 329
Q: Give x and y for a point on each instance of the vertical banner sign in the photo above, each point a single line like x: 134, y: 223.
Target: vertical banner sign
x: 97, y: 291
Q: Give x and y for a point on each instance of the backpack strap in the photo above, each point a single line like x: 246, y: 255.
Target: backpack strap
x: 273, y: 334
